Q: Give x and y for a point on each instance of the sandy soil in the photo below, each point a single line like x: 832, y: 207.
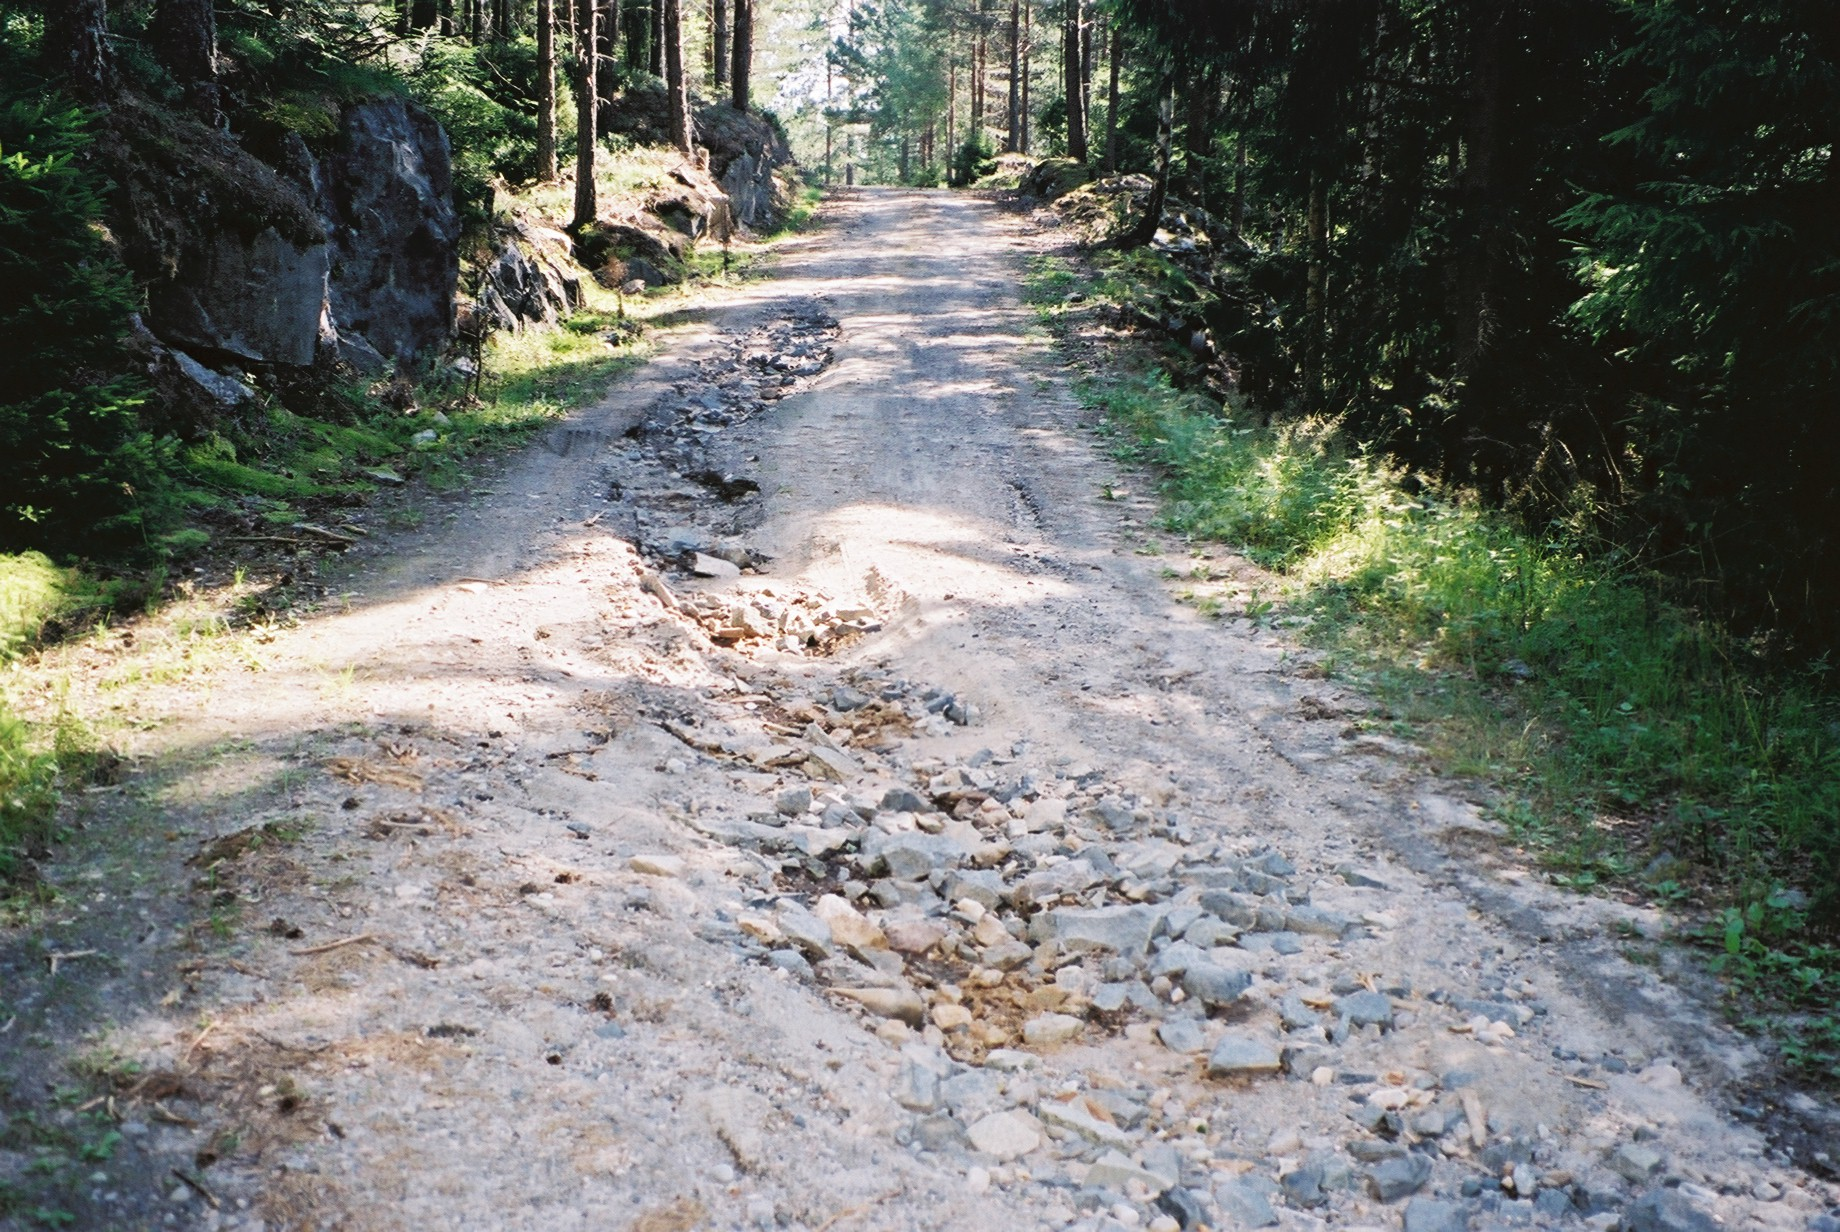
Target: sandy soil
x: 521, y: 947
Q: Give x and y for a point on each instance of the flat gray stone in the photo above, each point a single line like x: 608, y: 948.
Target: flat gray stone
x: 1006, y: 1135
x: 1242, y: 1056
x: 806, y: 931
x: 1394, y: 1179
x: 1215, y: 986
x: 1098, y: 930
x: 1635, y: 1162
x: 1427, y: 1215
x: 1666, y: 1210
x: 1246, y: 1201
x: 1074, y: 1118
x: 910, y: 856
x: 1181, y: 1035
x: 1114, y: 1170
x: 1366, y: 1009
x: 904, y: 800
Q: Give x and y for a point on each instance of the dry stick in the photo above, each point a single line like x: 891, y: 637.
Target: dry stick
x: 197, y: 1186
x: 56, y: 957
x: 852, y: 1212
x: 208, y: 1028
x: 1478, y: 1122
x: 326, y: 946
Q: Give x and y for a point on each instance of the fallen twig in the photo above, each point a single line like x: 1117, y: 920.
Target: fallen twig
x: 328, y: 946
x: 197, y: 1186
x: 56, y: 957
x: 853, y: 1211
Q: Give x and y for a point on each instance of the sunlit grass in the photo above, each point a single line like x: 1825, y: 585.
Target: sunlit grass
x: 1614, y: 727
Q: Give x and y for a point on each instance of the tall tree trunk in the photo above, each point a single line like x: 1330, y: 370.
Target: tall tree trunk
x: 1146, y: 228
x: 1111, y: 100
x: 976, y: 127
x: 719, y: 40
x: 905, y: 139
x: 1014, y: 140
x: 76, y: 48
x: 607, y: 58
x: 1476, y: 190
x: 1239, y: 184
x: 1316, y: 290
x: 184, y: 35
x: 951, y: 116
x: 1086, y: 67
x: 1072, y: 83
x: 677, y: 78
x: 1028, y: 50
x: 1203, y: 93
x: 741, y: 75
x: 546, y: 90
x: 655, y: 52
x: 585, y: 112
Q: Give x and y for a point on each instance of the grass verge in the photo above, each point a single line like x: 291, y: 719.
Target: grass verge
x: 1629, y: 745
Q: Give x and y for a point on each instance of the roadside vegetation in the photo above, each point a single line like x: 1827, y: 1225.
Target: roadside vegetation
x: 1632, y: 744
x: 277, y: 482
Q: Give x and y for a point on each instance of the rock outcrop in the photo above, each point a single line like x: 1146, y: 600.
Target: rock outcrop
x: 389, y: 202
x: 234, y: 258
x: 749, y: 160
x: 254, y: 299
x: 531, y: 280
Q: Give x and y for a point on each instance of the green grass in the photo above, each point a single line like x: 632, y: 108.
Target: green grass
x: 36, y: 594
x: 1619, y: 731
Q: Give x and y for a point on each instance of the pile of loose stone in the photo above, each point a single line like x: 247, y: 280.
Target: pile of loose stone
x: 991, y: 914
x: 744, y: 377
x: 793, y: 619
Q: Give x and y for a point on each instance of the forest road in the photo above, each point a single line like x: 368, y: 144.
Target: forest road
x: 939, y: 872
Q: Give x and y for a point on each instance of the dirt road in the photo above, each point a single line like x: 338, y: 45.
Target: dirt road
x: 938, y: 871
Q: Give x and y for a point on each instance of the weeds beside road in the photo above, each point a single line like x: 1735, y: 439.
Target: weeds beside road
x: 1634, y: 747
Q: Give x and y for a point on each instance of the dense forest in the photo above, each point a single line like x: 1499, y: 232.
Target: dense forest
x: 1572, y: 258
x: 1569, y: 256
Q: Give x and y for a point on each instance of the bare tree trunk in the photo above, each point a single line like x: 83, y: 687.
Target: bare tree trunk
x: 1028, y: 50
x: 1239, y: 184
x: 1146, y: 227
x: 546, y: 90
x: 1203, y: 97
x: 1014, y: 140
x: 951, y: 114
x: 184, y: 36
x: 655, y: 52
x: 1475, y: 308
x: 1316, y: 288
x: 606, y: 62
x: 677, y: 79
x: 76, y: 48
x: 1111, y: 101
x: 719, y: 40
x: 976, y: 127
x: 1072, y: 82
x: 744, y: 53
x: 585, y: 113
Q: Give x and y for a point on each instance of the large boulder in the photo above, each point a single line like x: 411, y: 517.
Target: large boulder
x: 389, y: 202
x: 530, y: 279
x: 254, y: 298
x: 233, y: 255
x: 749, y: 160
x: 1053, y: 178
